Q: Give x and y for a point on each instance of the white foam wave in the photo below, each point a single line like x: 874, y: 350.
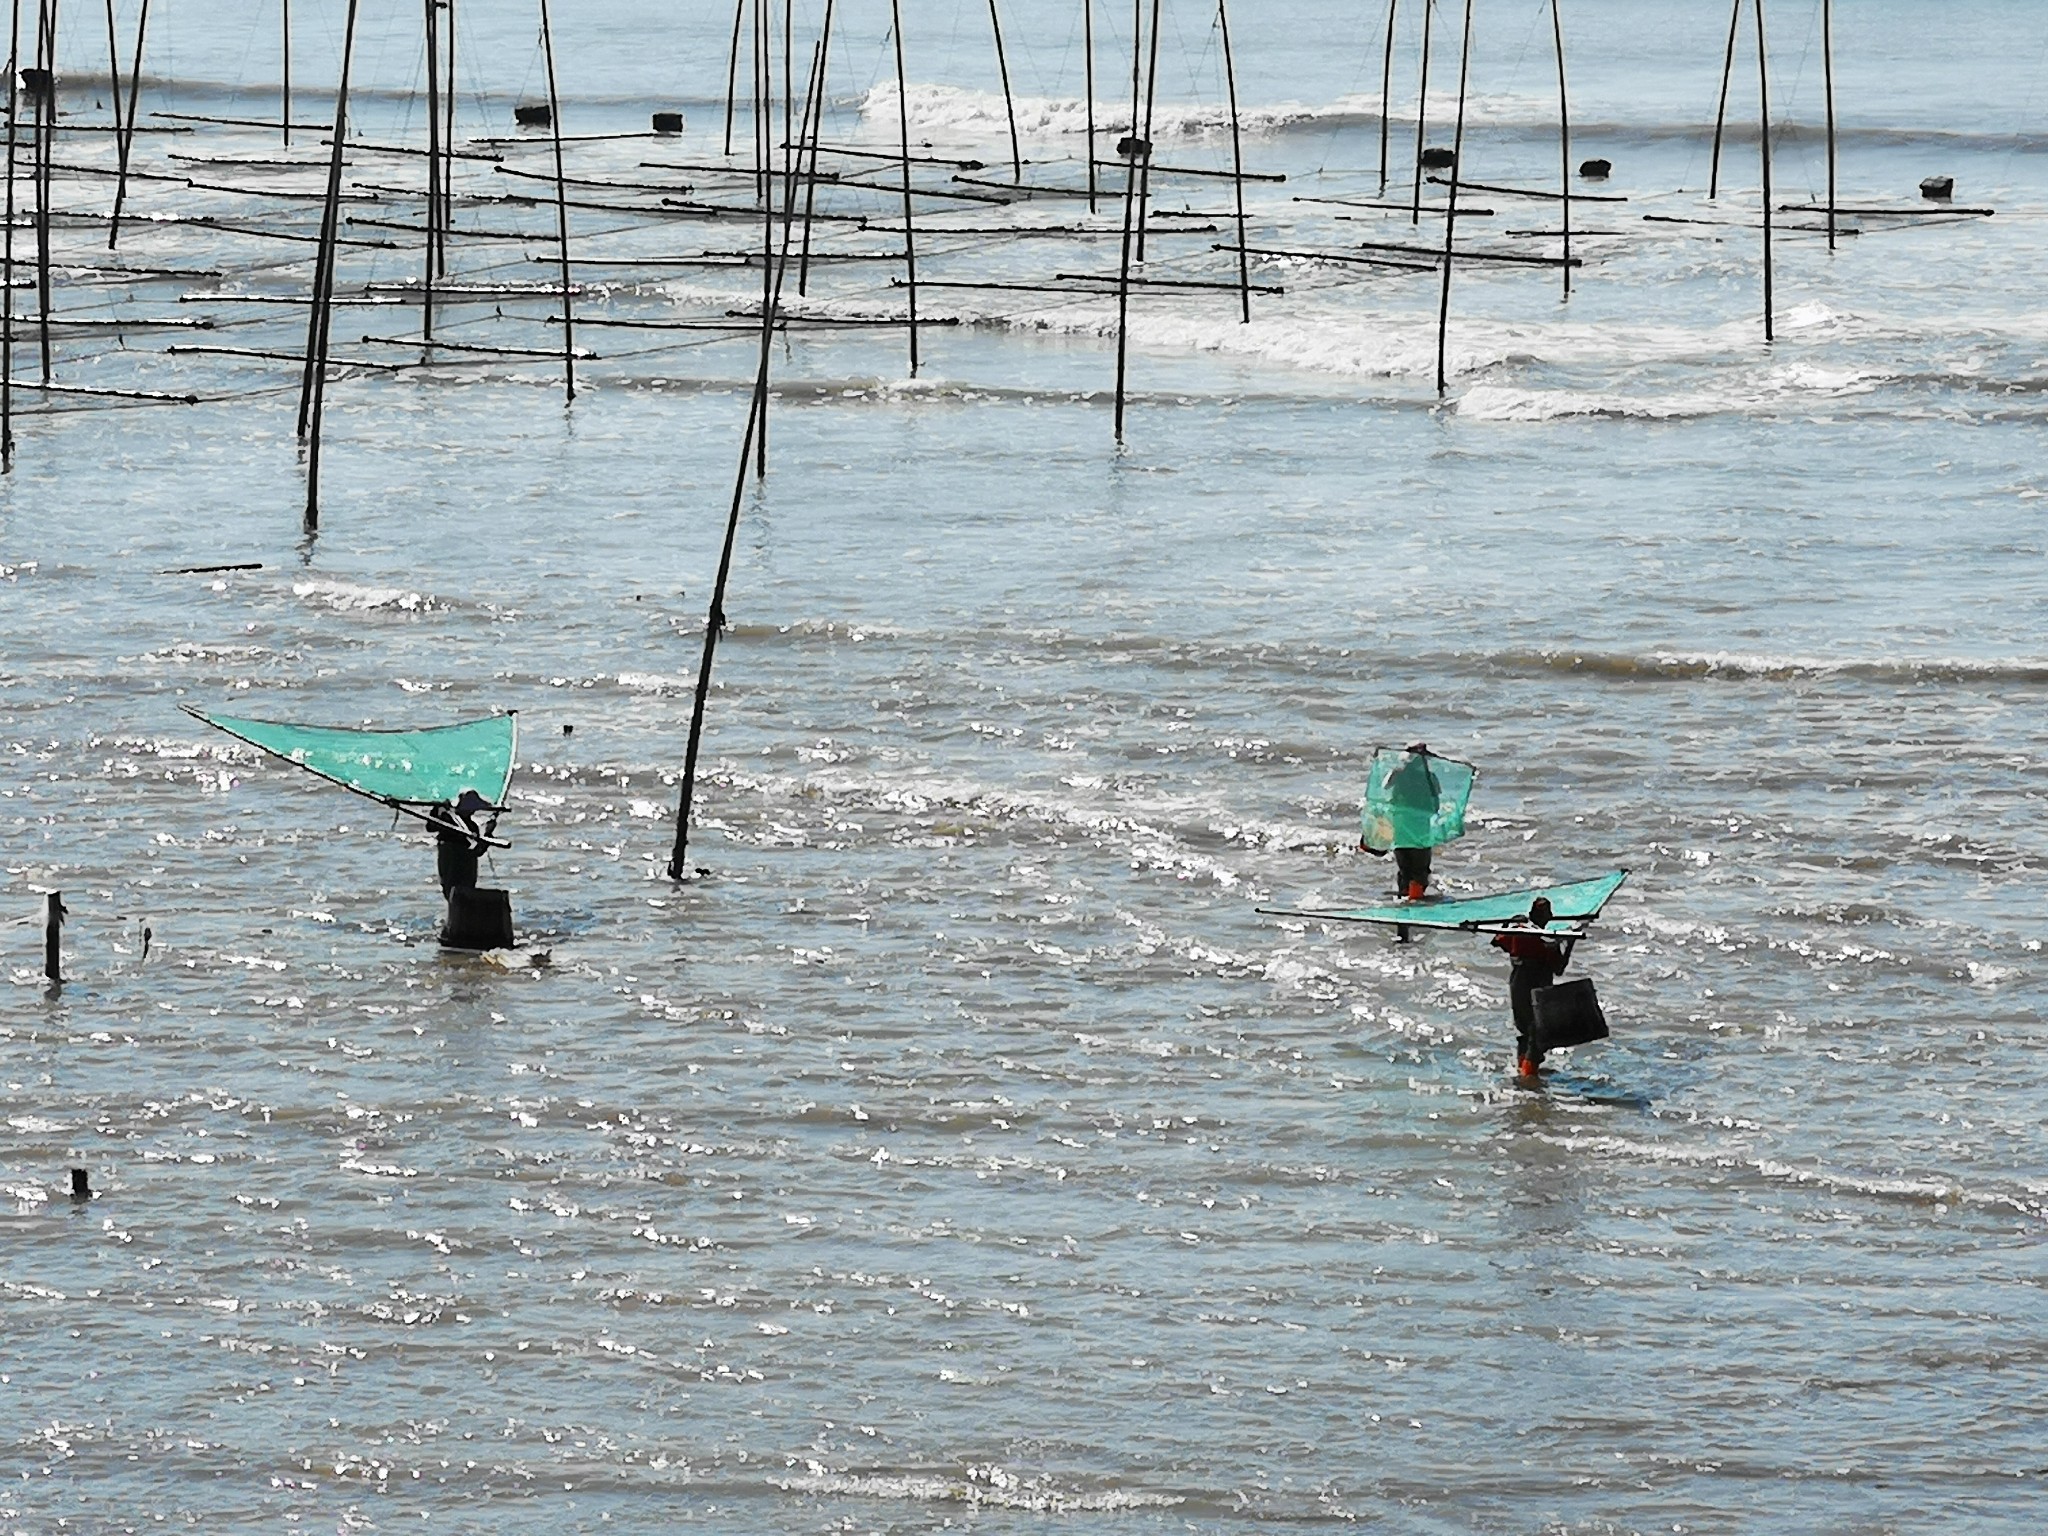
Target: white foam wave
x: 1797, y: 385
x: 990, y: 1487
x: 344, y: 597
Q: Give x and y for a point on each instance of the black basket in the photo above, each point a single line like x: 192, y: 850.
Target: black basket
x: 1568, y: 1013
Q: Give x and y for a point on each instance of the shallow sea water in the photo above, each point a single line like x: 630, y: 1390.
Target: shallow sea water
x: 965, y: 1150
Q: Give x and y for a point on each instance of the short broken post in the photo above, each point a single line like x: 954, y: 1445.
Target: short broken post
x: 54, y: 913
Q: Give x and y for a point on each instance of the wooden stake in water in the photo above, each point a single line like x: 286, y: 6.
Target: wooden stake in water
x: 1244, y: 270
x: 1721, y: 109
x: 803, y: 270
x: 433, y: 33
x: 1443, y: 318
x: 1145, y: 133
x: 54, y: 913
x: 903, y: 140
x: 126, y: 134
x: 1827, y: 65
x: 1421, y: 113
x: 285, y: 26
x: 7, y: 268
x: 1088, y: 82
x: 732, y: 71
x: 995, y: 23
x: 1123, y: 274
x: 547, y: 46
x: 1564, y: 146
x: 1387, y: 92
x: 313, y: 390
x: 1763, y: 121
x: 714, y: 619
x: 46, y: 129
x: 447, y: 146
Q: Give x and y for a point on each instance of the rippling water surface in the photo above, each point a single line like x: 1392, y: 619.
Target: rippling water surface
x: 965, y: 1150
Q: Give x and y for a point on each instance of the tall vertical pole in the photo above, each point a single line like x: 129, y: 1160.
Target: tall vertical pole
x: 313, y: 393
x: 547, y: 47
x: 732, y: 71
x: 1564, y: 146
x: 1088, y: 81
x: 1763, y: 121
x: 46, y: 130
x: 1123, y: 281
x: 1443, y: 318
x: 285, y: 27
x: 114, y: 68
x: 803, y: 269
x: 1244, y: 268
x: 788, y: 90
x: 1145, y: 133
x: 995, y: 23
x: 433, y: 36
x: 903, y: 138
x: 1721, y: 109
x: 447, y: 144
x: 1387, y: 92
x: 7, y: 266
x: 1827, y: 64
x: 1421, y: 113
x: 126, y: 136
x: 764, y: 83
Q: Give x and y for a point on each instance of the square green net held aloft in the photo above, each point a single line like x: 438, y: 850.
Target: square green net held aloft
x: 1414, y: 799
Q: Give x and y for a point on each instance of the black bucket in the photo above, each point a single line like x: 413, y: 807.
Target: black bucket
x: 1568, y: 1013
x: 668, y: 122
x: 478, y: 919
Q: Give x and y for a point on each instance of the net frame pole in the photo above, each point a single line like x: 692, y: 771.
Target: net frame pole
x: 1443, y: 320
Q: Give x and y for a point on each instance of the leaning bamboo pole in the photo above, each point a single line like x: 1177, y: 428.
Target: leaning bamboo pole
x: 126, y: 135
x: 1443, y: 318
x: 313, y: 394
x: 547, y: 43
x: 1421, y: 114
x: 803, y: 270
x: 903, y: 132
x: 433, y: 39
x: 1763, y: 122
x: 285, y: 27
x: 1387, y: 92
x: 1827, y: 64
x: 1721, y: 107
x: 1145, y: 133
x: 1244, y: 271
x: 1564, y: 146
x: 46, y: 131
x: 1088, y: 83
x: 995, y: 23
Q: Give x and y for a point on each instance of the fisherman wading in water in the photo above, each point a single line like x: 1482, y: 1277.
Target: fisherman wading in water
x: 1537, y: 960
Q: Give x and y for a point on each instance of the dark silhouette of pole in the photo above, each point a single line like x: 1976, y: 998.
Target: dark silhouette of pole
x: 1827, y: 65
x: 125, y: 135
x: 447, y: 145
x: 547, y: 46
x: 54, y: 913
x: 1387, y: 92
x: 995, y: 23
x: 732, y: 71
x: 1244, y: 270
x: 286, y: 28
x: 714, y: 619
x: 1564, y: 146
x: 46, y: 130
x: 1721, y: 110
x: 1088, y: 79
x: 903, y: 137
x: 7, y: 277
x: 803, y: 269
x: 433, y: 31
x: 313, y: 393
x: 1145, y: 133
x: 1443, y: 318
x: 1138, y: 147
x: 1421, y: 113
x: 1763, y: 122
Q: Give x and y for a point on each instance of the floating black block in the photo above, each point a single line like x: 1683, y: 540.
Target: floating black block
x: 1568, y: 1013
x: 1439, y: 159
x: 478, y: 919
x: 668, y: 122
x: 534, y: 117
x: 1938, y: 189
x: 1596, y: 170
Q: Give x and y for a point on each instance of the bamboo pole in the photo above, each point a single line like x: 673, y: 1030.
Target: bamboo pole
x: 1763, y: 119
x: 1827, y: 64
x: 1421, y: 114
x: 714, y: 619
x: 547, y: 45
x: 1564, y: 143
x: 763, y: 83
x: 1244, y: 270
x: 114, y: 69
x: 1088, y: 83
x: 127, y: 134
x: 766, y: 80
x: 46, y: 128
x: 433, y: 38
x: 448, y: 146
x: 1387, y: 92
x: 7, y: 266
x: 732, y: 71
x: 995, y: 23
x: 903, y: 133
x: 1443, y: 318
x: 1123, y: 276
x: 313, y: 391
x: 1721, y: 109
x: 803, y: 271
x: 285, y: 26
x: 788, y: 89
x: 1145, y: 134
